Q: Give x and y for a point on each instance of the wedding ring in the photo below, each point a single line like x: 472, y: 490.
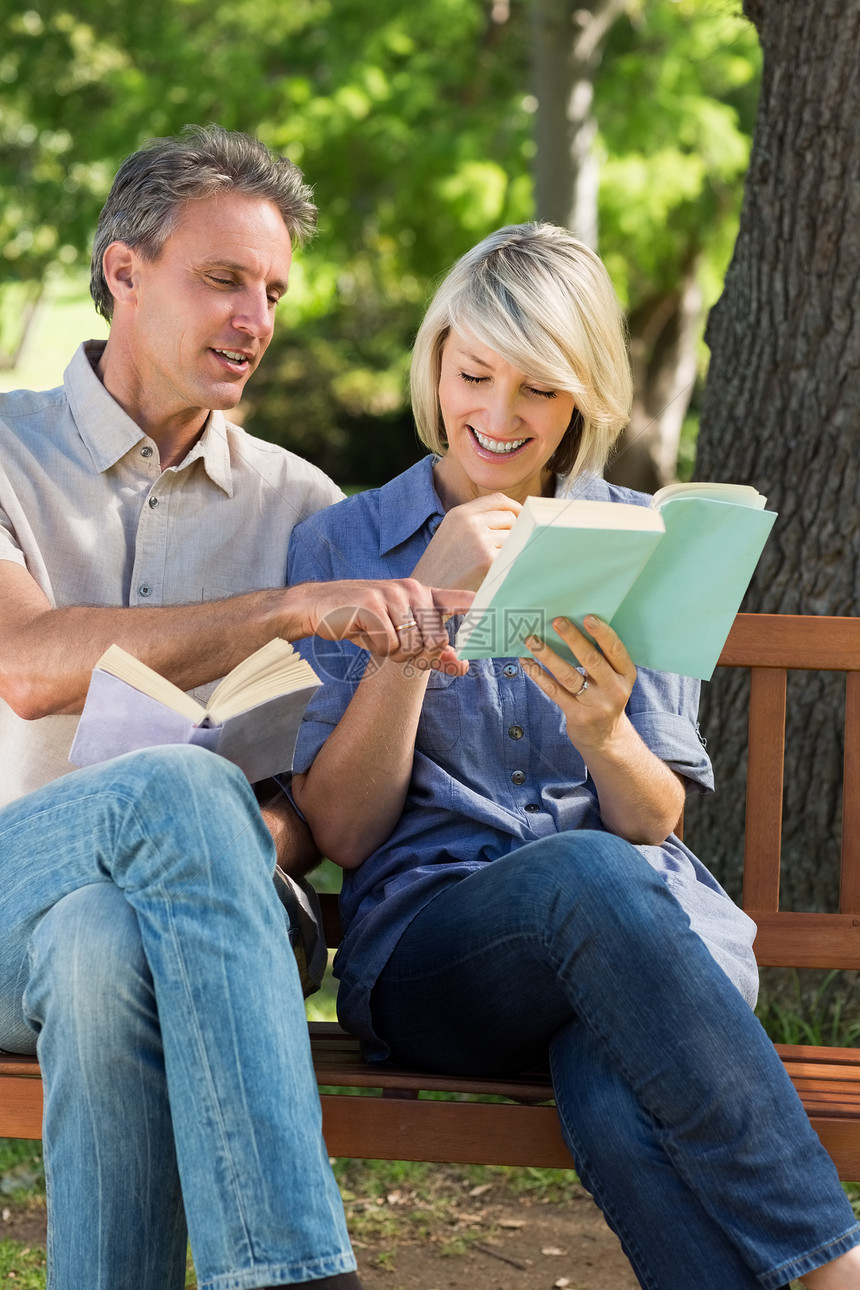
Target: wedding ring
x: 581, y: 691
x: 407, y: 625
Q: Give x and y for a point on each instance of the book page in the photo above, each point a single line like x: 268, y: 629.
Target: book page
x: 119, y: 663
x: 273, y: 669
x: 740, y: 494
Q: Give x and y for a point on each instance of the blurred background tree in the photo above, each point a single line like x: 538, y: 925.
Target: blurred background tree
x: 422, y: 124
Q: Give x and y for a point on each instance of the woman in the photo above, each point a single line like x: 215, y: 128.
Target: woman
x: 513, y: 889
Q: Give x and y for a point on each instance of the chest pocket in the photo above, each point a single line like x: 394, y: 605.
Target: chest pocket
x: 439, y: 723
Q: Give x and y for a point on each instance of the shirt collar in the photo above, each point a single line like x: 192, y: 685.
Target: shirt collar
x: 587, y: 487
x: 213, y: 449
x: 109, y: 433
x: 410, y: 500
x: 407, y: 503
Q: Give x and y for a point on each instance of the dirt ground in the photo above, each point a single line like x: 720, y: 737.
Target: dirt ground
x: 498, y: 1241
x: 453, y: 1235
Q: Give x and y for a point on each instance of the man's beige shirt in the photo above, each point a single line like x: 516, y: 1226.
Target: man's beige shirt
x: 85, y: 508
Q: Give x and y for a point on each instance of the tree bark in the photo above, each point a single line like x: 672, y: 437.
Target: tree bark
x: 781, y: 411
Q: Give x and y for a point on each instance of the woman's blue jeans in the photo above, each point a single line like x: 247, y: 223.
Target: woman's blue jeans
x: 675, y: 1107
x: 142, y: 942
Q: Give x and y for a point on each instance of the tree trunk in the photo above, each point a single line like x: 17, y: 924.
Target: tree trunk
x: 568, y: 43
x: 663, y: 334
x: 781, y: 411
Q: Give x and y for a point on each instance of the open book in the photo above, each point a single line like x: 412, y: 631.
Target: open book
x: 252, y: 717
x: 668, y: 577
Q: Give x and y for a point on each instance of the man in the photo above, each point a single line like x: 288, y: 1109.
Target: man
x: 143, y: 952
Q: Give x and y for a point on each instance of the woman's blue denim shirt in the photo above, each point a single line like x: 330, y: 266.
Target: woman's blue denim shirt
x: 494, y: 768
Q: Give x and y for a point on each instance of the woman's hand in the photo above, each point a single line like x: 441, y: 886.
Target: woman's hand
x: 467, y: 542
x: 594, y: 703
x: 640, y: 797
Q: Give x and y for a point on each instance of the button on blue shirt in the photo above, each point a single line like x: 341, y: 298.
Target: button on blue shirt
x: 493, y: 767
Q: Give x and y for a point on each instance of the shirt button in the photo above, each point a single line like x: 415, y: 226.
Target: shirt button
x: 516, y: 732
x: 518, y: 777
x: 510, y: 669
x: 153, y: 502
x: 144, y: 589
x: 532, y: 807
x: 146, y: 452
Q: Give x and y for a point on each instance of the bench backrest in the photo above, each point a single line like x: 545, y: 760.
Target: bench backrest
x: 770, y: 645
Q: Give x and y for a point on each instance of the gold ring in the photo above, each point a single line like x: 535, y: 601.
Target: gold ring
x: 407, y: 625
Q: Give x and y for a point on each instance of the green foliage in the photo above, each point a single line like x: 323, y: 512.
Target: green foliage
x: 817, y: 1018
x: 675, y: 102
x: 413, y: 121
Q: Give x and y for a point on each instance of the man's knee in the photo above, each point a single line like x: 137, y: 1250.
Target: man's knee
x: 168, y: 813
x: 181, y: 771
x: 89, y: 977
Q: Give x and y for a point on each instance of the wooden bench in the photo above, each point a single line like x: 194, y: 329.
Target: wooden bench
x: 397, y: 1124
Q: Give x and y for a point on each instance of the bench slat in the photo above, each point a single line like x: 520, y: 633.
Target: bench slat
x: 20, y: 1107
x: 827, y: 1079
x: 447, y: 1132
x: 849, y: 891
x: 764, y: 789
x: 815, y: 642
x: 805, y: 940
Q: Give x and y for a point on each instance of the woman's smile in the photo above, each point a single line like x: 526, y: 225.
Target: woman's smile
x: 503, y: 426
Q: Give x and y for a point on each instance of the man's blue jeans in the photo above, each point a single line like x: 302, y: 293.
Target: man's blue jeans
x: 675, y: 1107
x: 142, y: 941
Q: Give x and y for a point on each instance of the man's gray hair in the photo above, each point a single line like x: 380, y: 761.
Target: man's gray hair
x: 153, y: 184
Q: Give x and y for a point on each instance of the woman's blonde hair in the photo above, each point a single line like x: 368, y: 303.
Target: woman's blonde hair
x: 544, y: 302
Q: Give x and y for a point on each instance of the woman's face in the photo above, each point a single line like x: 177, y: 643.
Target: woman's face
x: 502, y: 426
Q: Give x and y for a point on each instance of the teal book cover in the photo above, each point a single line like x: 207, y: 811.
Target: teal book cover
x: 669, y: 578
x: 678, y: 614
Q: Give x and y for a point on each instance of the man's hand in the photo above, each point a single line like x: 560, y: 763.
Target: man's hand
x: 402, y: 619
x: 47, y: 655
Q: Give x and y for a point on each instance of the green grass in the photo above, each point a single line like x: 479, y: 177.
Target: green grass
x: 22, y: 1174
x: 22, y: 1266
x: 818, y: 1018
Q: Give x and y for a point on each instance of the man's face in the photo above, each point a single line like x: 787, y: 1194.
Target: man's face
x: 205, y: 307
